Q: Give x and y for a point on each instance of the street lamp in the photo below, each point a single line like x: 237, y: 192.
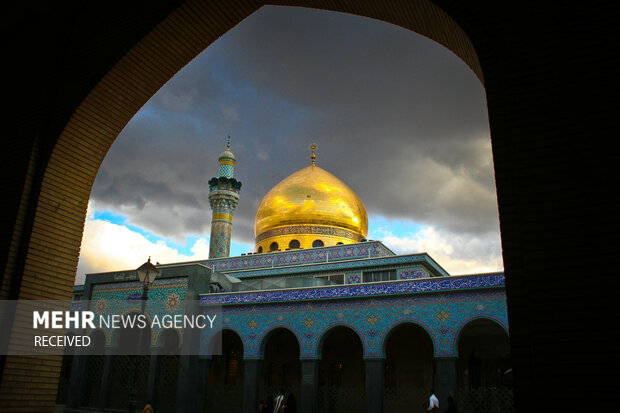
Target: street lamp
x: 147, y: 273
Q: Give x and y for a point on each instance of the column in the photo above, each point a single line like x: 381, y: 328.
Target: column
x: 250, y: 385
x: 153, y: 374
x: 105, y: 380
x: 309, y: 385
x: 192, y: 384
x: 445, y: 379
x: 78, y: 370
x: 374, y: 385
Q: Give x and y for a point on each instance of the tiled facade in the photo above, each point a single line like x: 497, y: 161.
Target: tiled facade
x: 442, y: 307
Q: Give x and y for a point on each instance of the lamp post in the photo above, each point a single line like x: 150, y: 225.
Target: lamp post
x: 147, y: 273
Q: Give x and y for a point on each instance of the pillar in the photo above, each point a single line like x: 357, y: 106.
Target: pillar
x: 151, y: 386
x: 192, y: 384
x: 250, y: 385
x: 78, y: 370
x: 374, y: 385
x: 105, y: 380
x: 309, y: 385
x: 445, y: 379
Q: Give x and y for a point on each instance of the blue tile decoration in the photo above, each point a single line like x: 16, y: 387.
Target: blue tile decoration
x: 227, y: 170
x: 358, y: 290
x: 166, y: 296
x: 413, y: 273
x: 341, y: 265
x: 371, y: 249
x: 354, y: 278
x: 442, y: 307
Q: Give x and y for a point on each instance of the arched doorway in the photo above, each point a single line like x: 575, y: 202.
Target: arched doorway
x: 280, y: 367
x: 94, y: 369
x: 65, y: 375
x: 484, y: 358
x: 225, y: 384
x: 100, y: 107
x: 167, y: 372
x: 341, y: 372
x: 130, y: 368
x: 409, y: 368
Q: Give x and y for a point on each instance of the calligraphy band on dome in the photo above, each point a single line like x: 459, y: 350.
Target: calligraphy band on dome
x: 309, y: 229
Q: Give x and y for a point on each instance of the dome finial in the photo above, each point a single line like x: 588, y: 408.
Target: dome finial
x: 228, y: 146
x: 313, y: 157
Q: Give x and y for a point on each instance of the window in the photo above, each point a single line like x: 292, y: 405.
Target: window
x: 317, y: 243
x: 293, y: 244
x: 333, y: 279
x: 273, y: 246
x: 376, y: 276
x: 260, y: 249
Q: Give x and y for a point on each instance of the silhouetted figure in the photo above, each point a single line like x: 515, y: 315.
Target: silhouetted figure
x: 291, y: 404
x: 433, y: 402
x: 278, y: 402
x: 267, y: 405
x: 451, y: 405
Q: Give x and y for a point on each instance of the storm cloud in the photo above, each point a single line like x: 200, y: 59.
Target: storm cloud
x: 397, y: 117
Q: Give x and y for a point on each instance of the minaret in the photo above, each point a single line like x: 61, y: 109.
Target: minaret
x: 223, y: 198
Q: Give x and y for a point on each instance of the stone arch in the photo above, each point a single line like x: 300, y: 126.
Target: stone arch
x: 483, y: 350
x: 389, y: 330
x: 280, y: 365
x: 226, y: 373
x: 51, y: 211
x: 212, y: 344
x: 167, y: 339
x: 409, y: 365
x: 114, y: 334
x: 341, y: 369
x: 459, y: 330
x: 132, y: 81
x: 326, y: 331
x: 107, y: 339
x: 268, y: 333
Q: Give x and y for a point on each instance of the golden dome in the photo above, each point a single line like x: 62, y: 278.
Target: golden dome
x: 309, y: 207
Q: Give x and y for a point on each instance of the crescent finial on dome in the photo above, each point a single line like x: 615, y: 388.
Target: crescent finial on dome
x: 313, y: 156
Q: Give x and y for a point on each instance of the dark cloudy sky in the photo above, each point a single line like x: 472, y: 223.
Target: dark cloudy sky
x: 396, y: 116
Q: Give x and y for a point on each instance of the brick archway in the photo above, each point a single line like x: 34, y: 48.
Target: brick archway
x: 553, y: 170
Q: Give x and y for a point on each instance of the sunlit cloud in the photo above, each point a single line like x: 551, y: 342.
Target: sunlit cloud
x: 107, y: 246
x: 456, y: 253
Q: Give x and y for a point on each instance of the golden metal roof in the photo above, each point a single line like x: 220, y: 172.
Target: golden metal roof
x: 310, y: 204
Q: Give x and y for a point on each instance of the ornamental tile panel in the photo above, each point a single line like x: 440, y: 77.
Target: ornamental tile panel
x: 362, y: 250
x: 442, y: 313
x: 358, y: 290
x: 166, y: 296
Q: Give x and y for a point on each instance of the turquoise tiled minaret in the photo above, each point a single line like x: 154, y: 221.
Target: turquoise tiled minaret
x: 223, y: 198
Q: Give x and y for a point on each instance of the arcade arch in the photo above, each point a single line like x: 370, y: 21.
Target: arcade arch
x: 484, y: 354
x: 94, y: 369
x: 280, y: 366
x: 409, y: 367
x: 167, y: 373
x: 483, y: 360
x: 341, y: 371
x: 57, y: 225
x: 225, y: 382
